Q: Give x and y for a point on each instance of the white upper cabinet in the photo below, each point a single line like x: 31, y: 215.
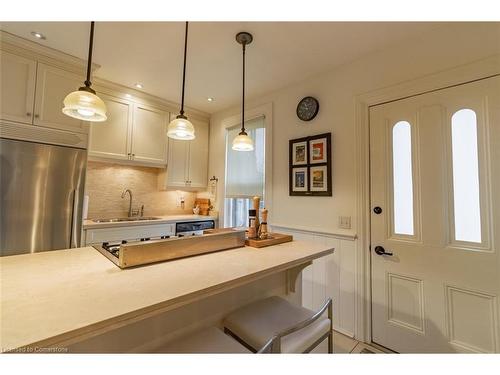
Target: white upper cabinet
x: 149, y: 135
x: 52, y: 86
x: 133, y: 132
x: 17, y: 85
x: 187, y: 165
x: 178, y: 164
x: 111, y: 139
x: 198, y: 156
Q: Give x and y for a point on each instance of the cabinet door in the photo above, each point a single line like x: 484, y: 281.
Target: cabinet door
x: 111, y: 139
x: 52, y: 86
x: 149, y: 135
x: 198, y: 156
x: 177, y: 166
x: 17, y: 85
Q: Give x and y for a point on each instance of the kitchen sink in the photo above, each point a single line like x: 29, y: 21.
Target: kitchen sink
x: 119, y: 219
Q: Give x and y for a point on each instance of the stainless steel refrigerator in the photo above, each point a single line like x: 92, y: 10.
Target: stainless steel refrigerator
x: 41, y: 192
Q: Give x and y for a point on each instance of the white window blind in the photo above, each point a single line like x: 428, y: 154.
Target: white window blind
x: 245, y: 169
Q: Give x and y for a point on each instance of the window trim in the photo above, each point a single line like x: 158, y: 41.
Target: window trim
x: 265, y: 110
x: 480, y: 108
x: 415, y: 160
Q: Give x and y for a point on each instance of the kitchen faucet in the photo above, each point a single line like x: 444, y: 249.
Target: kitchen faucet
x: 130, y: 203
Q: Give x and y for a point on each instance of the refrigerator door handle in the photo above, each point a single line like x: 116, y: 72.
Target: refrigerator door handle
x: 73, y: 242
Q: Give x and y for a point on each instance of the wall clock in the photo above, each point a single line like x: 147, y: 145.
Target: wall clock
x: 308, y: 108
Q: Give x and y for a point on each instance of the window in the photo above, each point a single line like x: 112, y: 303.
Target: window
x: 402, y: 178
x: 465, y: 160
x: 245, y: 174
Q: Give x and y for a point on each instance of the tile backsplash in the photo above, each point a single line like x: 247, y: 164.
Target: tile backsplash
x: 105, y: 183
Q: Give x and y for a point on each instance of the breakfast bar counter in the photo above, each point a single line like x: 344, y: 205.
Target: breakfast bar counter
x: 56, y: 298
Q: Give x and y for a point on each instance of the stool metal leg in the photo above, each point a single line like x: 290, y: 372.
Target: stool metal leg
x: 330, y: 335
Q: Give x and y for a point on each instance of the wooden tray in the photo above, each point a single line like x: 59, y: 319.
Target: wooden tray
x: 274, y: 239
x: 139, y: 253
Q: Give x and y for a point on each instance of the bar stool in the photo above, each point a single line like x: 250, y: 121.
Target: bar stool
x: 209, y: 340
x: 277, y: 326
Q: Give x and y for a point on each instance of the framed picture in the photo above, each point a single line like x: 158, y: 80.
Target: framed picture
x: 300, y: 179
x: 310, y: 166
x: 299, y: 153
x: 318, y: 150
x: 318, y: 177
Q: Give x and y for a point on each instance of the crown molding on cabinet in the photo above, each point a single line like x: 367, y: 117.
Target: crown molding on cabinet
x: 118, y: 90
x: 26, y: 48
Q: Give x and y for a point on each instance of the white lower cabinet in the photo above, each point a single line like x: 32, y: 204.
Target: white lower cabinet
x: 187, y: 165
x: 100, y: 235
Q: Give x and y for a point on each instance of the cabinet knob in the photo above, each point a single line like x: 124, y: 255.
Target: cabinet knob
x: 28, y: 113
x: 37, y: 116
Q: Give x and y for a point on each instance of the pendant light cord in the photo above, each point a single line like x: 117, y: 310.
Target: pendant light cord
x: 184, y: 69
x: 89, y: 61
x: 243, y: 96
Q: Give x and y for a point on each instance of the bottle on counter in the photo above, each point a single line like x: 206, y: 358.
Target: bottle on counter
x: 262, y: 232
x: 252, y: 223
x: 256, y: 207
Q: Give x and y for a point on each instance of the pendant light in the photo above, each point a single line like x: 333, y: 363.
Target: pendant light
x: 243, y: 142
x: 181, y: 128
x: 84, y: 104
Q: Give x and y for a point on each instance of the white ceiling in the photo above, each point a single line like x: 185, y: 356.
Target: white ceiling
x: 282, y: 53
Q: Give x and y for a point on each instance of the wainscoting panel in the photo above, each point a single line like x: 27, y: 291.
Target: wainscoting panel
x: 330, y: 276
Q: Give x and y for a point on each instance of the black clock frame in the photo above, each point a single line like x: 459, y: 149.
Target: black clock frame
x: 315, y: 112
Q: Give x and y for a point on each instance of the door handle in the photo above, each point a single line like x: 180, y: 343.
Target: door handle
x: 381, y: 251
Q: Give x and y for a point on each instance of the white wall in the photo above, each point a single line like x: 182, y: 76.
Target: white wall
x: 433, y: 52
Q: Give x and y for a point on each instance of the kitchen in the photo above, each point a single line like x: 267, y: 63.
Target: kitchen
x: 206, y: 197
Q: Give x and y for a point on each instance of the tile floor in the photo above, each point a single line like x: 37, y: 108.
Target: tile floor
x: 343, y: 344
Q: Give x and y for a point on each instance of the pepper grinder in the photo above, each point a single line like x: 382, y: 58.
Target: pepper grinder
x: 256, y: 207
x: 263, y: 234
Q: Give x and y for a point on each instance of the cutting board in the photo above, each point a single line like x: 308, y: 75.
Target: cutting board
x: 204, y: 204
x: 275, y: 239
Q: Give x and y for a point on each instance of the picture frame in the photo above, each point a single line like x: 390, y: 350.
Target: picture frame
x: 300, y: 179
x: 299, y: 153
x: 310, y: 174
x: 318, y: 178
x: 318, y: 150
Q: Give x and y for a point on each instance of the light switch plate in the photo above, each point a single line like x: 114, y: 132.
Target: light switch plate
x: 345, y: 222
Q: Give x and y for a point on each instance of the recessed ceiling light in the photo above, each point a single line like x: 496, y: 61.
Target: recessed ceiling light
x: 128, y: 95
x: 38, y: 35
x: 210, y: 99
x: 138, y: 85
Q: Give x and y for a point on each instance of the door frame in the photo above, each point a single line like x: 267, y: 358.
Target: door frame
x: 458, y: 75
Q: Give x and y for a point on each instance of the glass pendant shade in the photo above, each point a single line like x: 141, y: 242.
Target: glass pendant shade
x: 84, y: 105
x: 242, y: 142
x: 181, y: 128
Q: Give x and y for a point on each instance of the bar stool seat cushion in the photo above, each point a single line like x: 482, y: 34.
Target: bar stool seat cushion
x: 258, y: 322
x: 210, y: 340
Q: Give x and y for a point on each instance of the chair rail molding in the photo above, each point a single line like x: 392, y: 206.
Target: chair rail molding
x: 316, y: 232
x: 473, y: 71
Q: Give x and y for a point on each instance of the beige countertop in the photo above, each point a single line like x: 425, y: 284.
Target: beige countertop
x: 89, y: 224
x: 56, y: 298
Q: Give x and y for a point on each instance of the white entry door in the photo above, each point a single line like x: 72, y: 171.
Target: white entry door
x: 435, y: 201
